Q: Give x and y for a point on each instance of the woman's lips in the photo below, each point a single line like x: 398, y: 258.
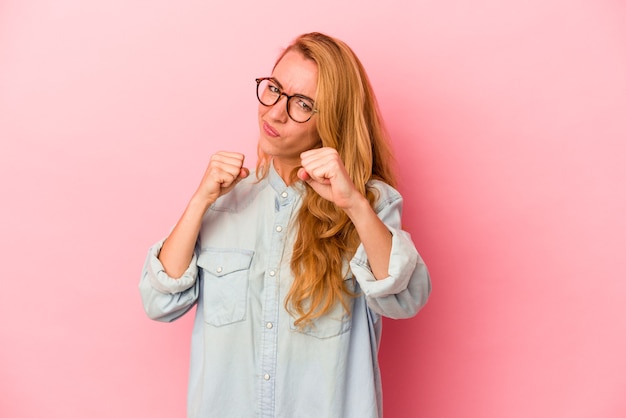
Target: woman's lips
x: 269, y: 130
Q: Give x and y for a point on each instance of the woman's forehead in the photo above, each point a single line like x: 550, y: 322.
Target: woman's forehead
x: 296, y: 74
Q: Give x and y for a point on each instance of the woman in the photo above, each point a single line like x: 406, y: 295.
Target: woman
x: 292, y: 267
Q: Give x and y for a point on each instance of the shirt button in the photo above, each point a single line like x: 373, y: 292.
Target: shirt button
x: 269, y: 325
x: 272, y: 273
x: 219, y: 269
x: 279, y: 228
x: 284, y: 194
x: 266, y: 376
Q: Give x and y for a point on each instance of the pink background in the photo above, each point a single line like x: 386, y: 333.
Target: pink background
x: 509, y: 120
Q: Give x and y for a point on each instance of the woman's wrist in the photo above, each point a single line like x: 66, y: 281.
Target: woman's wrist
x: 359, y: 207
x: 198, y: 202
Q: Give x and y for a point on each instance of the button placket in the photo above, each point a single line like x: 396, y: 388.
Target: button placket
x: 285, y: 202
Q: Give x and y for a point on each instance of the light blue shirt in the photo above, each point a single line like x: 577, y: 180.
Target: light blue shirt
x: 247, y: 357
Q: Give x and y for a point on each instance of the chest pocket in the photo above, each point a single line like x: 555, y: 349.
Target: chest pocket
x: 225, y: 284
x: 335, y: 322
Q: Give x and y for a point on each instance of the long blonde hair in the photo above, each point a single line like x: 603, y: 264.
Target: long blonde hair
x: 349, y: 121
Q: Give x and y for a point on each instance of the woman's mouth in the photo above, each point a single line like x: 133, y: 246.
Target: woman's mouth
x: 270, y: 131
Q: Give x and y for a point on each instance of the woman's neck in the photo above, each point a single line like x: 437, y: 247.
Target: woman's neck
x: 285, y: 168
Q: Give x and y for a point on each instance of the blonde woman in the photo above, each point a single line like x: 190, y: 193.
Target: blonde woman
x: 291, y: 267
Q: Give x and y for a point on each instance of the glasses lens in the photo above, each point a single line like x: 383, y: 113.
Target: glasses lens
x: 300, y: 108
x: 267, y: 92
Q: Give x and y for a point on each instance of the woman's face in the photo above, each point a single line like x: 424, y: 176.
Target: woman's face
x: 281, y: 137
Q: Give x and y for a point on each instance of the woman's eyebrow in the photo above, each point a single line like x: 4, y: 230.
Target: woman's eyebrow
x: 280, y: 86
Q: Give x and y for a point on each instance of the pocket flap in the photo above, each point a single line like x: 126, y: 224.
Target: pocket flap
x: 219, y: 262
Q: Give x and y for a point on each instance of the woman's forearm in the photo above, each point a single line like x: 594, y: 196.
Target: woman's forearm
x: 374, y: 235
x: 178, y: 248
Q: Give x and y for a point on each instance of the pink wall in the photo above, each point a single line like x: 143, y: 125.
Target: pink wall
x: 510, y: 122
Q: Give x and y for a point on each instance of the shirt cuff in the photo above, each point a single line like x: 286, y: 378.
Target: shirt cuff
x: 402, y: 262
x: 160, y: 280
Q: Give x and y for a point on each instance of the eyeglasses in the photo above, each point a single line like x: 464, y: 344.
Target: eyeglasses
x: 299, y: 107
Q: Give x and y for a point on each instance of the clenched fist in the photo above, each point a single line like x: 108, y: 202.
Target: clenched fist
x: 225, y: 170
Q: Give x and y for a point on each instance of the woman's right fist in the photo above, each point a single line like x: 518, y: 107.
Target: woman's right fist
x: 225, y: 170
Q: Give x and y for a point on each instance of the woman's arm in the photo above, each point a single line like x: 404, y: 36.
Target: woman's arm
x: 169, y: 285
x: 386, y: 251
x: 225, y: 170
x: 324, y: 171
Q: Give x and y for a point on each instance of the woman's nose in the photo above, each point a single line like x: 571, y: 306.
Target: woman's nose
x: 278, y: 111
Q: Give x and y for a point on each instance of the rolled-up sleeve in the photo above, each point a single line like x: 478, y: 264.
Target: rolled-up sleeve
x: 165, y: 298
x: 407, y: 288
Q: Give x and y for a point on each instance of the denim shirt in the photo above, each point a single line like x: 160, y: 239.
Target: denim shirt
x: 247, y: 357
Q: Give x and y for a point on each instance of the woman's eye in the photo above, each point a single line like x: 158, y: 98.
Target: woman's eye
x: 304, y: 105
x: 272, y: 88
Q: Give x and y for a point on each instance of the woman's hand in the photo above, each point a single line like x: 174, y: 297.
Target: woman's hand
x: 324, y: 171
x: 225, y: 170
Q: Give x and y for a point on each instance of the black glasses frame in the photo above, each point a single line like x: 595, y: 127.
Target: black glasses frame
x: 282, y: 93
